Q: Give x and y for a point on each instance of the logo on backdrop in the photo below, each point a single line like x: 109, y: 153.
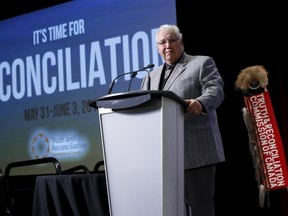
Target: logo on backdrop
x: 40, y: 146
x: 58, y: 144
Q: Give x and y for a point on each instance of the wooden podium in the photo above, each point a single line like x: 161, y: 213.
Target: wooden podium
x: 143, y: 149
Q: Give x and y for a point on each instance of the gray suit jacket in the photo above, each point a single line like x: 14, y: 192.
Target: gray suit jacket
x: 196, y: 77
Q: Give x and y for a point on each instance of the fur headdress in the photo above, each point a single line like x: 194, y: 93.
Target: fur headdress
x: 252, y: 78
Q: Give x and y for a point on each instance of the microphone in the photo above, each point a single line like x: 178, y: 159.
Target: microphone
x: 148, y: 75
x: 133, y: 74
x: 147, y: 67
x: 148, y: 80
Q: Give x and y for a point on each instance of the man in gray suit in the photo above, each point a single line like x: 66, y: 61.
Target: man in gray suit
x: 197, y: 81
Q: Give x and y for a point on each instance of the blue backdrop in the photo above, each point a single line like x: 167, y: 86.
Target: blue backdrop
x: 54, y: 61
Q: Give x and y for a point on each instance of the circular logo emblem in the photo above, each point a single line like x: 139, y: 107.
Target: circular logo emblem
x: 40, y: 146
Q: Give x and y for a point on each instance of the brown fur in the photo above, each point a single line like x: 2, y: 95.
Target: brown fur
x: 252, y: 77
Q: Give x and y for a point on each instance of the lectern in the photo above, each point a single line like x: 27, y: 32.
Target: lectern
x: 143, y: 150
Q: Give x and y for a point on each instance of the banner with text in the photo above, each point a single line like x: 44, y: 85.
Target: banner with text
x: 54, y: 61
x: 269, y: 142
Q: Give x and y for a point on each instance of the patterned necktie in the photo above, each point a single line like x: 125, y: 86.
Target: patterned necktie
x: 167, y: 74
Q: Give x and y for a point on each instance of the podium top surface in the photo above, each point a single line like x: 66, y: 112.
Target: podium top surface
x: 131, y: 99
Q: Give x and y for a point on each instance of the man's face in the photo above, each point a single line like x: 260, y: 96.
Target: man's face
x: 169, y: 46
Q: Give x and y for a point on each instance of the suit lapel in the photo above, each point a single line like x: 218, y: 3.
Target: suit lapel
x: 155, y: 78
x: 175, y: 73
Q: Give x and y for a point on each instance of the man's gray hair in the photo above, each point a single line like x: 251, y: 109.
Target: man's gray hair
x: 170, y: 28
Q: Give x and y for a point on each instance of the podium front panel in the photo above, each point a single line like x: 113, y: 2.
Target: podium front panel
x: 143, y: 155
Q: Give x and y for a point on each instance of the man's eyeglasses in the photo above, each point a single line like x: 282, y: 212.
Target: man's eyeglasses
x: 170, y: 40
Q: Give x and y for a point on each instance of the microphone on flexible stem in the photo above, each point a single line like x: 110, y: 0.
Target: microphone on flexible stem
x: 148, y: 75
x: 148, y: 80
x: 114, y: 80
x: 133, y: 74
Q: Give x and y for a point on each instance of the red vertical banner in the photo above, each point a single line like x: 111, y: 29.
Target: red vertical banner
x: 269, y: 140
